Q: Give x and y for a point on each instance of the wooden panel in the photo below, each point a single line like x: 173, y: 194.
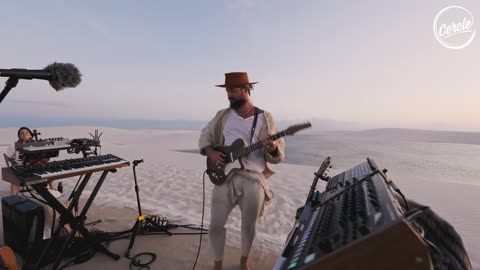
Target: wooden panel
x: 9, y: 176
x: 399, y: 247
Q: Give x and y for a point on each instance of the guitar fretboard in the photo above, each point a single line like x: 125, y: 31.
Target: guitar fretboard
x: 258, y: 145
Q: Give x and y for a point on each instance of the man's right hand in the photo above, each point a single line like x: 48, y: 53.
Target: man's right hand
x: 216, y: 156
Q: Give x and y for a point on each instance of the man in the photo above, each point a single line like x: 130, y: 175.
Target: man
x: 246, y: 186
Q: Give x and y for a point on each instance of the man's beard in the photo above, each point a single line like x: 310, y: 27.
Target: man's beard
x: 236, y: 104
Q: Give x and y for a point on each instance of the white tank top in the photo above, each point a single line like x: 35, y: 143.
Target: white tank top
x: 237, y: 127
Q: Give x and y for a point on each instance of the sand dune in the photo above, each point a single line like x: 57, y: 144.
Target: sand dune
x: 171, y: 184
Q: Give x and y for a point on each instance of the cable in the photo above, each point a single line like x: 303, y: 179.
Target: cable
x: 35, y: 197
x: 74, y: 190
x: 82, y: 257
x: 440, y: 237
x: 407, y: 205
x: 201, y: 226
x: 135, y: 261
x: 157, y: 224
x: 412, y: 214
x: 191, y: 228
x: 53, y: 222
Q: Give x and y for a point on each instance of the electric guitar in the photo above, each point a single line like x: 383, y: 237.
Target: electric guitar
x: 8, y: 260
x: 235, y: 151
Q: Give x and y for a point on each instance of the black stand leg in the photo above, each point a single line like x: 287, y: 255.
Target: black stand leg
x: 76, y: 223
x: 132, y: 240
x: 135, y: 164
x: 138, y: 224
x: 64, y: 213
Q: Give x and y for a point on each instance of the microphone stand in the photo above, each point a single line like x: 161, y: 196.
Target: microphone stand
x: 141, y: 217
x: 35, y: 134
x: 9, y: 84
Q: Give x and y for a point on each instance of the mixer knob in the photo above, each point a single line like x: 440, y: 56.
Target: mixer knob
x: 326, y: 245
x: 364, y: 230
x: 375, y: 204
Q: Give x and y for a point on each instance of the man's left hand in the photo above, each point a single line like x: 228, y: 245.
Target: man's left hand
x: 270, y: 145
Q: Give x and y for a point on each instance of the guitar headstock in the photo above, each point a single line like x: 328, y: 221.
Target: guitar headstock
x: 326, y: 164
x: 295, y: 128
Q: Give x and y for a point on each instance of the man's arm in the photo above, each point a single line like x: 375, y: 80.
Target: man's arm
x: 277, y: 154
x: 205, y: 141
x: 206, y: 135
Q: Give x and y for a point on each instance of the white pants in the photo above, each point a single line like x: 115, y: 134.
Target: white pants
x: 248, y: 193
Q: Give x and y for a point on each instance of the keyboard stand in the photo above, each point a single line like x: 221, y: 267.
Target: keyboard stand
x: 77, y: 224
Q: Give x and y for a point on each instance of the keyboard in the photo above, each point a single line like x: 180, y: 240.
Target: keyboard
x: 37, y: 173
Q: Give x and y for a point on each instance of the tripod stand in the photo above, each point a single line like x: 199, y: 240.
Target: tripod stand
x: 142, y: 220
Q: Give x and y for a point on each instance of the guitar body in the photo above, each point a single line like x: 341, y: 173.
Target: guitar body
x: 218, y: 174
x: 8, y: 260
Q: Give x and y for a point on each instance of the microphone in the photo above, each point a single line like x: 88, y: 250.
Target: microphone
x: 59, y: 75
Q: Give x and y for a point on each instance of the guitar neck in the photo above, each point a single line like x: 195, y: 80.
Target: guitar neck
x: 258, y: 145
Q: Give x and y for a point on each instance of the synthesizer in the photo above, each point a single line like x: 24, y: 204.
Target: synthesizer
x: 43, y: 148
x: 357, y: 223
x: 43, y: 144
x: 37, y: 173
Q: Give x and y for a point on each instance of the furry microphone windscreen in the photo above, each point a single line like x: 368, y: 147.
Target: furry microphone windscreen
x: 63, y: 75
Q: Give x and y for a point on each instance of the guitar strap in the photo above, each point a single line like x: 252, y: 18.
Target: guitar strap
x: 254, y: 125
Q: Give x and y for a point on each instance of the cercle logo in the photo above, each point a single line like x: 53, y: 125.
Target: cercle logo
x: 453, y: 27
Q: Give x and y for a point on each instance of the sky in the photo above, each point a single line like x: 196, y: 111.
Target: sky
x: 377, y: 63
